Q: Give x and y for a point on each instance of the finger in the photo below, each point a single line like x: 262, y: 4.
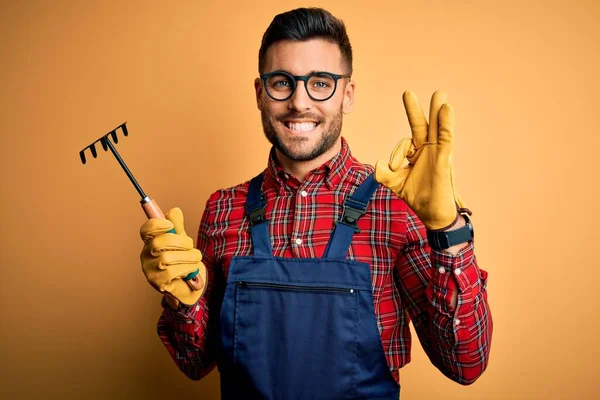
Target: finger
x: 155, y: 227
x: 383, y: 173
x: 168, y: 242
x: 394, y: 180
x: 416, y: 118
x: 175, y: 215
x: 159, y: 275
x: 437, y: 100
x: 414, y: 154
x: 180, y: 271
x: 170, y: 259
x: 400, y: 152
x: 446, y: 130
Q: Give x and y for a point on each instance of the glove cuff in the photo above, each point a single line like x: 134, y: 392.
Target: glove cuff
x: 445, y: 227
x: 459, y: 211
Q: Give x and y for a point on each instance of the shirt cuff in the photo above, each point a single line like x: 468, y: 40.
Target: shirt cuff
x: 461, y: 266
x: 183, y: 315
x: 453, y: 272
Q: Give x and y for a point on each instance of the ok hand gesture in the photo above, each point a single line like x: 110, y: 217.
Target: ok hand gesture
x: 426, y: 184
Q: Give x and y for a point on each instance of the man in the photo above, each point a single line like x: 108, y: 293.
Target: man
x: 311, y: 271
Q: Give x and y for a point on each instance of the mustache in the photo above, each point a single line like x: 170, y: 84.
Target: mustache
x: 295, y: 115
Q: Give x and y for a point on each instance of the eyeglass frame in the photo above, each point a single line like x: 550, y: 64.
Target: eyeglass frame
x: 305, y: 79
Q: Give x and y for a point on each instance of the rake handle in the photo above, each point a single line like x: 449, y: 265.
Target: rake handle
x: 152, y: 210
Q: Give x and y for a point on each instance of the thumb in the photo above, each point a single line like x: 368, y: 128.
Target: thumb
x: 175, y: 215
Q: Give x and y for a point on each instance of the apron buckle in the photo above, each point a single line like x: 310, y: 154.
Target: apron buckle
x: 350, y: 215
x: 256, y: 214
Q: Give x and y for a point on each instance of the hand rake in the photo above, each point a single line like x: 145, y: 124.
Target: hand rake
x: 148, y: 205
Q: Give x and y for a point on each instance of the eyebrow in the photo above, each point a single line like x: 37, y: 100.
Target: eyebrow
x: 314, y: 71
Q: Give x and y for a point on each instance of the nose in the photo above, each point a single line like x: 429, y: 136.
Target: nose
x: 300, y: 101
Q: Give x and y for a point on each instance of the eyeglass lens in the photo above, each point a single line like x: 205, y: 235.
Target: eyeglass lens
x: 319, y: 86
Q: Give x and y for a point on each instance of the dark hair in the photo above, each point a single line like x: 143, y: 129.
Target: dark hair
x: 304, y: 24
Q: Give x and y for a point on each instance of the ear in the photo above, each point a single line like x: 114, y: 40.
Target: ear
x: 258, y: 88
x: 348, y: 101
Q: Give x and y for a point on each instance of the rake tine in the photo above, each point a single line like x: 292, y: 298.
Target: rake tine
x: 103, y: 141
x: 93, y: 149
x: 107, y: 145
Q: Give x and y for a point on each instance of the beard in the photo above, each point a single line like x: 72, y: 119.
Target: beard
x: 296, y: 151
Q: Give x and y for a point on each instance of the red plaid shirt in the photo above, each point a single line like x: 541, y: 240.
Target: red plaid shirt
x: 410, y: 281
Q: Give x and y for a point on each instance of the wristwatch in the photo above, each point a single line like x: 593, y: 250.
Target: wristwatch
x: 440, y: 240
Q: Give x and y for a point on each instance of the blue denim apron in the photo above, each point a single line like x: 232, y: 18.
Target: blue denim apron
x: 302, y: 328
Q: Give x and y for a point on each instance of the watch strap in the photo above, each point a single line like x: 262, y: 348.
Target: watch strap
x: 440, y: 240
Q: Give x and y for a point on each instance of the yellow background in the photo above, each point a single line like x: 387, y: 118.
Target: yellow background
x: 78, y: 319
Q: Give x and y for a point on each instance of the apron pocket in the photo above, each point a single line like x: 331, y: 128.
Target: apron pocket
x: 297, y: 341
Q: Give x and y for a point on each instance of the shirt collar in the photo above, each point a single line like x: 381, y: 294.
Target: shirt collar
x: 332, y: 171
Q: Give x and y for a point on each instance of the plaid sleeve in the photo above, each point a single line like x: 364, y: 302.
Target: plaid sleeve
x: 456, y: 340
x: 190, y: 334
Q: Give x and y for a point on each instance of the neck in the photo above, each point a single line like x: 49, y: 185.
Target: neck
x: 300, y: 169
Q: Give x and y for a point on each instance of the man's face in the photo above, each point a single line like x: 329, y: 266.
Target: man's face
x: 300, y: 128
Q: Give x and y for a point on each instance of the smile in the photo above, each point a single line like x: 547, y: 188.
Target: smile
x: 301, y: 126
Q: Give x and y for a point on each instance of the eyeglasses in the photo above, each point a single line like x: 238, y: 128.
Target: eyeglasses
x: 320, y: 85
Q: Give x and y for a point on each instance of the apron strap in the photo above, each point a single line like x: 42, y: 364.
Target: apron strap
x: 255, y: 210
x: 355, y: 206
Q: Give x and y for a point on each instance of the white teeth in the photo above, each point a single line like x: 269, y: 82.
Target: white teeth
x: 301, y: 126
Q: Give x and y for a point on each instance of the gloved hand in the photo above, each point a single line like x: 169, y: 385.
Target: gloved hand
x: 167, y: 258
x: 426, y: 184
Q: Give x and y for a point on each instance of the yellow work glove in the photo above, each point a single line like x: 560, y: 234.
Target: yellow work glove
x: 168, y: 257
x: 426, y: 184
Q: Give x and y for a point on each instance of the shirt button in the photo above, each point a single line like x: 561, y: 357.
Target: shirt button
x: 197, y: 307
x: 189, y: 321
x: 456, y: 321
x: 457, y: 271
x: 304, y: 193
x: 441, y: 270
x: 298, y: 241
